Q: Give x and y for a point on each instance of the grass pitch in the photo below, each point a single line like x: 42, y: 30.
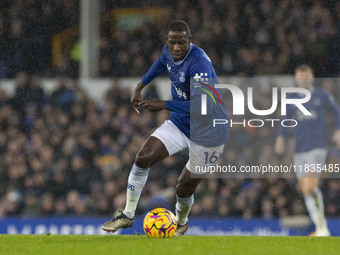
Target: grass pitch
x: 76, y: 244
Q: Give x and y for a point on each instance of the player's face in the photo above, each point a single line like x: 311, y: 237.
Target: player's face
x: 304, y: 79
x: 179, y: 44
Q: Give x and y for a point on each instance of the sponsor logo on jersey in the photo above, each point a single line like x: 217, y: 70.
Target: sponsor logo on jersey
x: 169, y: 67
x: 181, y: 93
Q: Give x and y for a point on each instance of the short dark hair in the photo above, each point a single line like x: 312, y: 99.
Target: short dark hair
x: 179, y: 26
x: 304, y: 68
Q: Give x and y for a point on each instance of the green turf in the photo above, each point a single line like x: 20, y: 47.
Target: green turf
x: 75, y: 244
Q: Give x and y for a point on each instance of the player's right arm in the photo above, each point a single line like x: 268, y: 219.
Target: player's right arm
x: 156, y: 69
x: 137, y: 96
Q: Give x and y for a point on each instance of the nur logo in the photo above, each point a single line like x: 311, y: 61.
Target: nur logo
x: 199, y: 82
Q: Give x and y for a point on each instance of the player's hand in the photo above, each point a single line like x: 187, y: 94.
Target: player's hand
x: 135, y: 100
x: 336, y: 138
x: 137, y: 96
x: 280, y: 145
x: 153, y: 105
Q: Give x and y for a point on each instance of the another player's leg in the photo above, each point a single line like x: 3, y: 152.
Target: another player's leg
x: 185, y: 198
x: 309, y: 184
x: 314, y: 203
x: 152, y: 152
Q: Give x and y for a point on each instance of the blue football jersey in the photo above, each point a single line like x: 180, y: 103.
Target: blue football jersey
x: 182, y: 74
x: 311, y: 130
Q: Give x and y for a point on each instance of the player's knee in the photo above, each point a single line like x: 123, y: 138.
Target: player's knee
x: 143, y: 160
x: 308, y: 190
x: 311, y: 191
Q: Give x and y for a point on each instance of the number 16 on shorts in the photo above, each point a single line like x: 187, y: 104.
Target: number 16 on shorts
x: 211, y: 158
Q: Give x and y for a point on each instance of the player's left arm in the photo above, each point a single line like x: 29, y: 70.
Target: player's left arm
x: 334, y: 107
x: 280, y: 143
x: 155, y: 105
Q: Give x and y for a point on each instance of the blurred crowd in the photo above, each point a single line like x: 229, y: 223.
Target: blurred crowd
x: 241, y: 37
x: 63, y: 154
x: 26, y: 31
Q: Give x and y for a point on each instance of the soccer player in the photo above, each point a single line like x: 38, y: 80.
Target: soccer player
x: 311, y: 143
x: 184, y: 63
